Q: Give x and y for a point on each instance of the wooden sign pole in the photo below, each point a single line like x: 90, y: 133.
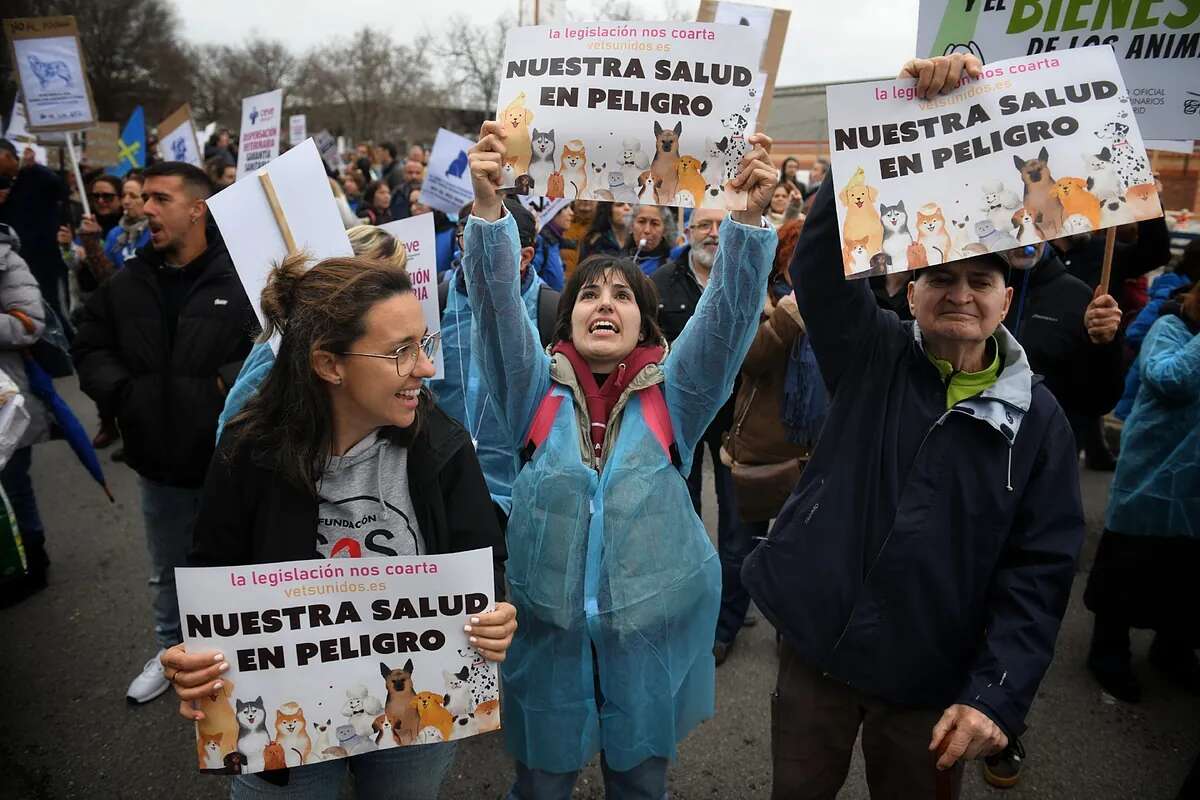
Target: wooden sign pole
x: 1110, y: 242
x: 83, y: 198
x: 277, y: 211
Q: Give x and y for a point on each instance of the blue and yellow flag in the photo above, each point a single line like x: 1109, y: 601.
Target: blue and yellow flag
x: 131, y: 145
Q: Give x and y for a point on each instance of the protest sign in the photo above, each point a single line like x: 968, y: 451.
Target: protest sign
x: 254, y: 236
x: 297, y: 129
x: 18, y: 126
x: 1182, y: 146
x: 770, y: 23
x: 177, y: 138
x: 447, y: 184
x: 48, y: 57
x: 1036, y: 148
x: 102, y: 148
x: 334, y: 658
x: 1157, y: 47
x: 662, y: 120
x: 417, y: 236
x: 262, y: 114
x: 327, y: 147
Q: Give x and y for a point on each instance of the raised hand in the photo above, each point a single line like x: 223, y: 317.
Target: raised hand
x: 941, y: 74
x: 486, y: 161
x: 757, y: 178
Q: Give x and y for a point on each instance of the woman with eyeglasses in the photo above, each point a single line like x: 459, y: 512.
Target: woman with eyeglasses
x: 342, y: 427
x: 617, y: 582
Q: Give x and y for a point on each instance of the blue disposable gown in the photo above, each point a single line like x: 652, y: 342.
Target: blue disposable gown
x: 254, y: 371
x: 611, y: 558
x: 462, y: 394
x: 1156, y: 488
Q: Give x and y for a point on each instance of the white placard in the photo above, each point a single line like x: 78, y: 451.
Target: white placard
x: 251, y: 234
x: 54, y: 81
x: 656, y: 111
x: 177, y: 139
x: 417, y: 236
x: 339, y: 657
x: 447, y: 184
x: 258, y: 144
x: 1036, y: 148
x: 1183, y: 146
x: 297, y: 129
x: 1156, y: 43
x: 18, y: 126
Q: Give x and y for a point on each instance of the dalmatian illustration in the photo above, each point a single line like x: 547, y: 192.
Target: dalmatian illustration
x: 1131, y: 168
x: 484, y: 684
x: 737, y: 147
x: 47, y: 71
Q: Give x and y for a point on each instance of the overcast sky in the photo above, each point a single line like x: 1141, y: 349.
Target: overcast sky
x: 828, y: 40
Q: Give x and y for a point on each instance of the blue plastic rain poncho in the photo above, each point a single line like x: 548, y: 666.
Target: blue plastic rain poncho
x: 610, y: 558
x: 1156, y: 488
x: 253, y: 372
x: 461, y: 393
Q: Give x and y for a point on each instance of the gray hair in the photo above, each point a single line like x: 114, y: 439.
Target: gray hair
x: 667, y: 214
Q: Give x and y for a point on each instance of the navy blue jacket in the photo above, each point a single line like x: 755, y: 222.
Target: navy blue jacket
x: 926, y: 555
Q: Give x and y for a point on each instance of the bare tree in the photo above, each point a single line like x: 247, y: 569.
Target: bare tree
x: 473, y: 56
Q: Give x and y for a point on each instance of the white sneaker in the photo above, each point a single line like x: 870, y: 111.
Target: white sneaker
x: 150, y: 683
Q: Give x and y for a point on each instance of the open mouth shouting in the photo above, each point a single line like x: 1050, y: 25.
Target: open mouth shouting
x: 604, y: 328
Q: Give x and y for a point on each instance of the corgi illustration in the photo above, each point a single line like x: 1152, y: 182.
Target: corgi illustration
x: 572, y: 165
x: 209, y: 747
x: 857, y: 256
x: 931, y: 233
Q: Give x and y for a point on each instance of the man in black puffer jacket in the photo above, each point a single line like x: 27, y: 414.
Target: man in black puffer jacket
x: 157, y: 346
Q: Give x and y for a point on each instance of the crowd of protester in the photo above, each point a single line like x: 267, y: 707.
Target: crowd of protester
x: 875, y: 446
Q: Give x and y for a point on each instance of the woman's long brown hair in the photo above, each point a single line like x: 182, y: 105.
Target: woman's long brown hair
x: 288, y: 423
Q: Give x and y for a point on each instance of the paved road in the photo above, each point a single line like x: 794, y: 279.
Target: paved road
x: 66, y: 657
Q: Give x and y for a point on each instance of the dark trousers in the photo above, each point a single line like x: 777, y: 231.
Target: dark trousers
x: 735, y: 538
x: 18, y: 486
x: 814, y: 722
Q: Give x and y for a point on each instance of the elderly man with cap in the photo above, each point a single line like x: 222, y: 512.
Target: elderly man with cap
x: 920, y: 570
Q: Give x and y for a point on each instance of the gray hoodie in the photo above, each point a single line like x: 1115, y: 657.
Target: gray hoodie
x: 365, y: 508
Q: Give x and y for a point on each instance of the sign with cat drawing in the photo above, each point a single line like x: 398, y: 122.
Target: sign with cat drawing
x: 1036, y: 148
x: 1156, y: 44
x: 329, y: 659
x: 637, y: 112
x: 447, y: 184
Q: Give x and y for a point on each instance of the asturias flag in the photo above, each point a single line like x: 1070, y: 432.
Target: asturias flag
x: 132, y: 144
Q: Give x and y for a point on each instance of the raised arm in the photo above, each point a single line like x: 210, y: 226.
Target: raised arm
x: 1170, y: 361
x: 707, y: 355
x: 515, y: 368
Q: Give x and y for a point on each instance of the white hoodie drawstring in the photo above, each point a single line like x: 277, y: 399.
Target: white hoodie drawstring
x: 383, y: 509
x: 1009, y: 486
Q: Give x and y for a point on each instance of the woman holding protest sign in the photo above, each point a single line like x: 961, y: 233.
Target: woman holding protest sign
x: 617, y: 581
x: 343, y: 413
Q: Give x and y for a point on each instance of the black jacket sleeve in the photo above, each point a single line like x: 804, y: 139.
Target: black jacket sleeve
x: 471, y: 521
x: 1097, y: 378
x: 840, y: 316
x: 103, y: 374
x: 1031, y: 585
x: 224, y: 524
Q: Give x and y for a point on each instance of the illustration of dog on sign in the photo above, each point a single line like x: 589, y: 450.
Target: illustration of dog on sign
x: 863, y: 224
x: 46, y: 71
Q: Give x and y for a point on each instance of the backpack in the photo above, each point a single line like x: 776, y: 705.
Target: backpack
x: 658, y: 418
x: 547, y: 308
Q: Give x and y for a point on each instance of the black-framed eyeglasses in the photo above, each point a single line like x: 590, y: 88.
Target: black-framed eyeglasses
x: 406, y: 356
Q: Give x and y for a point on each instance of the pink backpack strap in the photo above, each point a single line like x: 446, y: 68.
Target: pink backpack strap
x: 658, y: 418
x: 543, y: 421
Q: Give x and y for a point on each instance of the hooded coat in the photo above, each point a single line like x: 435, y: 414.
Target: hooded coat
x: 1156, y: 488
x: 19, y: 291
x: 615, y: 579
x: 926, y: 555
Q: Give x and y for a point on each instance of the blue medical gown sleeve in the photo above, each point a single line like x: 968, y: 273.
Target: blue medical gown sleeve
x: 1170, y: 361
x: 706, y: 357
x: 254, y: 371
x: 515, y: 368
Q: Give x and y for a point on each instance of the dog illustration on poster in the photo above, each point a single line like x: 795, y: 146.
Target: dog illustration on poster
x: 517, y: 139
x: 47, y: 71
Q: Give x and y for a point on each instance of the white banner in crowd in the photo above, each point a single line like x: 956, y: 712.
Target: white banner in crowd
x: 329, y: 659
x: 253, y: 235
x: 1036, y: 148
x: 327, y: 147
x: 663, y: 119
x: 447, y: 184
x: 1156, y: 42
x: 177, y: 138
x: 416, y: 235
x: 262, y: 115
x: 54, y: 85
x: 297, y: 129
